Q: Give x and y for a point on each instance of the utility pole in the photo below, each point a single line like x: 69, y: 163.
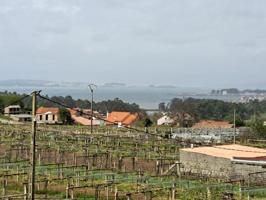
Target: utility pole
x: 234, y: 125
x: 33, y: 146
x: 91, y: 86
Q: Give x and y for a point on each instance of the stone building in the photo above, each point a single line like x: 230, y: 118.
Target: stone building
x: 47, y: 115
x: 225, y: 161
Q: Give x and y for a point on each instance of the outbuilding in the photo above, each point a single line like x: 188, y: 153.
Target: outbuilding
x: 165, y: 120
x: 224, y: 161
x: 21, y: 117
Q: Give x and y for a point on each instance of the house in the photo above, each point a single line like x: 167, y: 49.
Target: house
x: 212, y: 124
x: 12, y: 110
x: 15, y: 113
x: 165, y: 120
x: 83, y: 117
x: 48, y: 115
x: 121, y: 118
x: 224, y: 161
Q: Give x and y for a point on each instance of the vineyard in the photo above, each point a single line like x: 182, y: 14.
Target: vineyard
x: 72, y: 163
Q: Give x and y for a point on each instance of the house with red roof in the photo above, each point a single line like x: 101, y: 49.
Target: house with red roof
x: 47, y: 115
x: 121, y: 118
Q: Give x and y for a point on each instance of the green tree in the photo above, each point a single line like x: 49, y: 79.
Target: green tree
x: 257, y: 127
x: 239, y: 120
x: 147, y: 122
x: 1, y: 106
x: 9, y: 99
x: 65, y: 116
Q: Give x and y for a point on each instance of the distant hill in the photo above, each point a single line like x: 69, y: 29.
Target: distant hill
x: 28, y: 83
x: 38, y: 83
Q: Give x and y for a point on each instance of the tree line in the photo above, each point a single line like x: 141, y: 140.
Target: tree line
x: 252, y: 114
x: 214, y: 109
x: 6, y: 98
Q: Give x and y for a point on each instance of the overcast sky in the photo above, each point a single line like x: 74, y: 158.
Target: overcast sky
x: 205, y: 43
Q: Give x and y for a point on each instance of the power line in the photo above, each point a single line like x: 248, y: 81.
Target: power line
x: 81, y: 112
x: 97, y: 117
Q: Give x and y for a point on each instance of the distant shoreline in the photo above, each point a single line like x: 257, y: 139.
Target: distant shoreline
x: 145, y: 97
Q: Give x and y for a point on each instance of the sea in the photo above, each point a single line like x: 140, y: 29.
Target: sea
x: 147, y: 97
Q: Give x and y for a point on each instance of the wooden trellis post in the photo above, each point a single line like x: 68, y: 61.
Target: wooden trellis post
x: 173, y: 191
x: 67, y: 189
x: 25, y: 188
x: 116, y: 193
x: 4, y: 186
x: 129, y: 196
x: 46, y: 187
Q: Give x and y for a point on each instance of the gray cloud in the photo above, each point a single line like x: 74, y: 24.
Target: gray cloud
x: 181, y: 42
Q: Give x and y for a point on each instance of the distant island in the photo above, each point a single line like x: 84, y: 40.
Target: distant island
x: 114, y: 85
x: 163, y: 86
x: 235, y: 91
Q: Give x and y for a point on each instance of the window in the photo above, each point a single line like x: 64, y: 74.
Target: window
x: 46, y: 117
x: 40, y: 117
x: 53, y: 117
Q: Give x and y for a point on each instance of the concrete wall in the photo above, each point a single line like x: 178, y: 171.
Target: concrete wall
x: 218, y: 167
x: 203, y: 164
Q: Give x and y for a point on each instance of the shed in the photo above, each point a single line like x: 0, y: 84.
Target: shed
x: 21, y: 117
x: 223, y: 161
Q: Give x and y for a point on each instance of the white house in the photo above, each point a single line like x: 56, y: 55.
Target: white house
x: 165, y: 120
x: 47, y: 115
x: 12, y: 110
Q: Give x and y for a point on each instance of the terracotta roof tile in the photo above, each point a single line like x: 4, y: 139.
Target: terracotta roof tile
x: 212, y: 124
x: 81, y: 120
x: 43, y: 110
x: 130, y: 119
x: 126, y: 118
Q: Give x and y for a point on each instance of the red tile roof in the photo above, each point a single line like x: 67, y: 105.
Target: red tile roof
x: 130, y: 119
x: 212, y: 124
x: 43, y: 110
x: 81, y: 120
x: 126, y: 118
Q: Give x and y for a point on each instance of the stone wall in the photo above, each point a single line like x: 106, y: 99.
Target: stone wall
x: 245, y: 170
x: 223, y: 168
x: 207, y: 165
